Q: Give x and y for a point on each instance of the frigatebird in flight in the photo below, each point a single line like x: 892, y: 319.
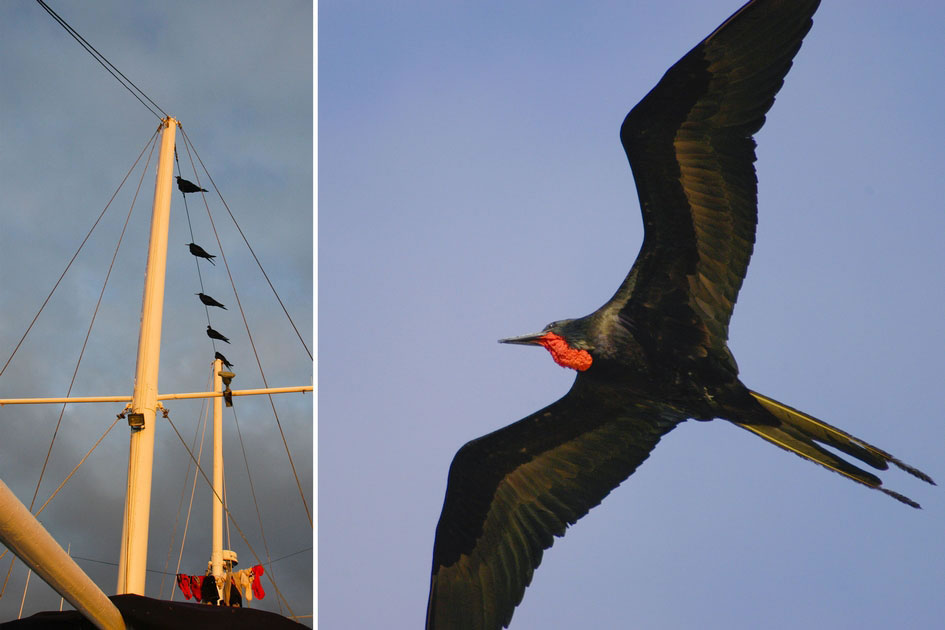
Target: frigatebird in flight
x: 656, y: 354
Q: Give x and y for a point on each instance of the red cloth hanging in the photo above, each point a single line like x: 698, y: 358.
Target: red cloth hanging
x: 196, y: 586
x: 183, y: 581
x: 258, y: 591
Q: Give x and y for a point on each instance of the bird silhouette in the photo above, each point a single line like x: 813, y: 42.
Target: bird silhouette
x: 209, y: 301
x: 656, y: 354
x: 200, y: 252
x: 215, y: 335
x: 188, y: 187
x: 218, y: 355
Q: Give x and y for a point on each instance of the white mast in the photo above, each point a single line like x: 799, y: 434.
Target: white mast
x: 22, y: 533
x: 134, y: 536
x: 216, y: 550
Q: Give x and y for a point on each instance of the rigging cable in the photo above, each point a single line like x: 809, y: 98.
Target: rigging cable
x: 190, y: 227
x: 205, y: 408
x: 188, y: 145
x: 81, y: 461
x: 115, y: 564
x: 196, y: 178
x: 99, y: 57
x: 88, y: 333
x: 227, y: 510
x: 252, y: 490
x: 75, y: 255
x: 56, y: 491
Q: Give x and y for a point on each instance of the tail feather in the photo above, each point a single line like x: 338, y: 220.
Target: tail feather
x: 799, y: 433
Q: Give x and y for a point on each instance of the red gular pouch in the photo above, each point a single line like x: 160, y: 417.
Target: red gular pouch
x: 563, y: 354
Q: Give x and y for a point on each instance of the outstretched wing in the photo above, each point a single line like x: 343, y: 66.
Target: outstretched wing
x: 691, y: 150
x: 510, y: 492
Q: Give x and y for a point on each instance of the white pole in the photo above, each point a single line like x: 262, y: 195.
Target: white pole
x: 134, y: 536
x: 29, y: 540
x: 180, y: 396
x: 216, y: 551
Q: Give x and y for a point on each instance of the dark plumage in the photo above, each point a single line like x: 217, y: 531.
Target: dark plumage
x: 200, y: 252
x: 656, y: 354
x: 188, y: 187
x: 215, y: 335
x: 209, y: 301
x: 218, y: 355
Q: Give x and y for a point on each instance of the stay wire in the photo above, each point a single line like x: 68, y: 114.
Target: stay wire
x: 99, y: 57
x: 56, y: 491
x: 205, y: 411
x: 42, y: 473
x: 227, y: 510
x: 252, y: 490
x: 189, y: 146
x: 190, y: 227
x: 226, y: 515
x: 166, y: 572
x: 88, y: 332
x: 170, y: 547
x: 76, y: 468
x: 76, y: 254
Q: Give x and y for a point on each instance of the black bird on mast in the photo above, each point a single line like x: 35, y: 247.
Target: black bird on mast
x: 188, y: 187
x: 656, y: 354
x: 209, y: 301
x: 200, y: 252
x: 218, y: 355
x: 215, y: 335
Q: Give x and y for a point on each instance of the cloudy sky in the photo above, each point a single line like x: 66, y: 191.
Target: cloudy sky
x: 472, y: 187
x: 239, y: 78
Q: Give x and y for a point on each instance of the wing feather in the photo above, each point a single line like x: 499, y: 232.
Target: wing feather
x: 690, y: 146
x: 510, y: 493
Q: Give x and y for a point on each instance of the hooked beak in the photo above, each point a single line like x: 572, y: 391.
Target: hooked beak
x: 533, y: 339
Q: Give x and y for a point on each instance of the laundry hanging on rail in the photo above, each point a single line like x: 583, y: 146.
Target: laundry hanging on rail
x: 206, y: 589
x: 248, y: 582
x: 183, y: 581
x: 190, y: 585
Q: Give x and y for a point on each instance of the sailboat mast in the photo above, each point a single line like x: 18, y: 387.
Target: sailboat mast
x: 216, y: 550
x: 134, y: 536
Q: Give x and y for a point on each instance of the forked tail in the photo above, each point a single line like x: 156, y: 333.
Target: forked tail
x: 801, y: 433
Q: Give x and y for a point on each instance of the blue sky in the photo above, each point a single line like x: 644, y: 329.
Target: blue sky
x: 472, y: 187
x: 239, y: 78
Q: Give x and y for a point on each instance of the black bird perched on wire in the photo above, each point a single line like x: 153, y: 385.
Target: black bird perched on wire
x: 209, y: 301
x: 218, y: 355
x: 188, y: 187
x: 656, y: 354
x: 215, y: 335
x: 200, y: 252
